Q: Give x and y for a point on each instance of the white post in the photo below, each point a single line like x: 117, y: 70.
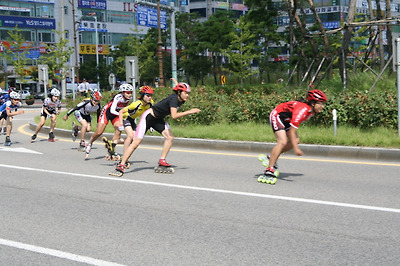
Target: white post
x: 133, y: 76
x: 73, y: 82
x: 334, y: 122
x: 45, y: 82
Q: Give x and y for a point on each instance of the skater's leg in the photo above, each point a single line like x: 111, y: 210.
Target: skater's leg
x: 99, y: 131
x: 130, y: 134
x: 53, y: 122
x: 282, y: 143
x: 168, y: 141
x: 9, y: 126
x: 40, y: 125
x: 85, y: 127
x: 117, y: 135
x: 130, y: 149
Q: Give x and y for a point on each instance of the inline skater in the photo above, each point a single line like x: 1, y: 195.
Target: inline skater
x: 128, y: 114
x: 154, y: 118
x: 50, y: 109
x: 83, y: 111
x: 110, y: 112
x: 4, y: 97
x: 8, y: 110
x: 285, y: 119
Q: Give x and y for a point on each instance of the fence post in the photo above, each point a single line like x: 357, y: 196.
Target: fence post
x: 334, y: 122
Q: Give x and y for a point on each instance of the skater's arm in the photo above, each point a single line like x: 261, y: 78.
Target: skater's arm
x: 176, y: 115
x: 9, y: 113
x: 174, y: 81
x: 78, y: 106
x: 292, y: 134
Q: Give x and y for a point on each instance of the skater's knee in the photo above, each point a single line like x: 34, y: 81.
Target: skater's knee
x: 282, y: 142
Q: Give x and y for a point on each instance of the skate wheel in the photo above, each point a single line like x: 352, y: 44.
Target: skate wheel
x: 127, y: 165
x: 116, y: 173
x: 266, y: 180
x: 260, y: 178
x: 276, y: 173
x: 272, y: 181
x: 262, y: 157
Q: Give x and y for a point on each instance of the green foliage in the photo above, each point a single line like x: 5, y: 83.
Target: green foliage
x: 58, y: 55
x: 242, y: 51
x: 17, y: 52
x: 233, y: 104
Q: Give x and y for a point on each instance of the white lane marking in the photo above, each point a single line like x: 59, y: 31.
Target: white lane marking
x: 56, y: 253
x: 249, y: 194
x: 21, y: 149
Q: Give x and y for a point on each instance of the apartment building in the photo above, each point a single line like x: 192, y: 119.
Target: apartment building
x: 104, y: 23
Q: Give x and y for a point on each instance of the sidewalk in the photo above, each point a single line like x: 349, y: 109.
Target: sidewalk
x: 378, y: 154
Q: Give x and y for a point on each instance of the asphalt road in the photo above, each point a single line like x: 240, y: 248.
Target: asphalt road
x: 58, y: 209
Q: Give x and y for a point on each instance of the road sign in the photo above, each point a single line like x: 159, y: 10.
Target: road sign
x: 43, y: 73
x: 147, y: 16
x: 223, y: 80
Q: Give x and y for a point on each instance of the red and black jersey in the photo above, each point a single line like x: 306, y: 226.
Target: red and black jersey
x: 294, y: 113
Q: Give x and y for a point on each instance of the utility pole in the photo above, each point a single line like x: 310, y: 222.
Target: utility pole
x: 173, y: 44
x: 63, y: 82
x: 76, y: 27
x: 159, y: 51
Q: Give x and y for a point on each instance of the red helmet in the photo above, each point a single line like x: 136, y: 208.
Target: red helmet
x: 146, y: 89
x: 182, y: 87
x: 96, y: 95
x: 316, y: 95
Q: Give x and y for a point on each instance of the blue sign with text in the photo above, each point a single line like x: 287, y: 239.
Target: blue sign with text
x: 147, y: 16
x: 24, y: 22
x: 96, y: 4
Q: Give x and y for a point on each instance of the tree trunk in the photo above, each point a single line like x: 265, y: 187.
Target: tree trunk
x: 346, y: 40
x: 372, y: 35
x: 292, y: 37
x: 380, y: 32
x: 303, y: 29
x: 389, y: 34
x: 323, y: 32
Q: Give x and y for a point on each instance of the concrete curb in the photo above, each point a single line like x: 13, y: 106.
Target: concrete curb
x: 378, y: 154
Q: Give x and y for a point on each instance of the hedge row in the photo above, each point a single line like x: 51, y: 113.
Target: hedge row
x: 219, y: 104
x: 357, y: 109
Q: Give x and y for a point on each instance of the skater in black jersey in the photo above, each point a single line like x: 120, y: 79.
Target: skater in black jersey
x: 154, y: 118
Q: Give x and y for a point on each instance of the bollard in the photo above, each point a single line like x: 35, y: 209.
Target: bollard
x: 334, y: 121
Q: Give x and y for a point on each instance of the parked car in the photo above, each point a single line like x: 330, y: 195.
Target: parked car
x: 24, y: 94
x: 39, y: 95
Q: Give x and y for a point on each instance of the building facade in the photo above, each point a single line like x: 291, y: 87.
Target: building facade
x: 102, y: 24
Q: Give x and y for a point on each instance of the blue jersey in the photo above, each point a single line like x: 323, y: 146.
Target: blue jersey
x: 4, y: 98
x: 8, y: 105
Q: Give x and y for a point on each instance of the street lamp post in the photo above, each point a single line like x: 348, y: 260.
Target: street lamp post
x: 97, y: 53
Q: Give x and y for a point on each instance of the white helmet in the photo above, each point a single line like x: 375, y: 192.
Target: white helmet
x: 125, y: 87
x: 55, y: 92
x: 15, y: 95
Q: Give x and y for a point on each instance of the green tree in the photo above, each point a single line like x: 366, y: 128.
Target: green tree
x: 242, y: 51
x: 262, y: 15
x: 58, y: 55
x: 215, y: 35
x: 144, y: 48
x: 17, y: 53
x: 192, y: 58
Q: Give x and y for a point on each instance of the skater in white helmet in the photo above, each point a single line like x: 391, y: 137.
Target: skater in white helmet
x: 50, y: 109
